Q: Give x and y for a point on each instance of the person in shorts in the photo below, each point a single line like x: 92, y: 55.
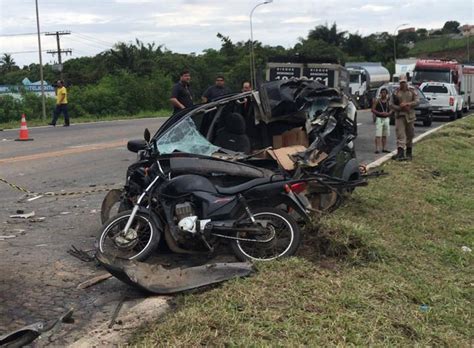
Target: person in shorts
x: 381, y: 110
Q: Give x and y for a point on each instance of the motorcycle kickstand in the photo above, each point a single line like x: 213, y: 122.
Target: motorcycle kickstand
x: 210, y: 247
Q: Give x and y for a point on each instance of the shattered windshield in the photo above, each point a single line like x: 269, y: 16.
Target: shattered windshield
x: 185, y: 137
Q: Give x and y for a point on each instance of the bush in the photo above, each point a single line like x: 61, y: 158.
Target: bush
x: 121, y: 94
x: 29, y: 104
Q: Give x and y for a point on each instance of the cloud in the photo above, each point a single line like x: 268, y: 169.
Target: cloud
x: 73, y: 18
x: 300, y: 20
x: 133, y: 1
x: 376, y: 8
x: 236, y: 18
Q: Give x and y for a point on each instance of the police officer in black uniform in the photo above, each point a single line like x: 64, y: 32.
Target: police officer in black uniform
x: 181, y: 95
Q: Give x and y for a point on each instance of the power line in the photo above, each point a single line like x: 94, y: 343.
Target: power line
x: 20, y: 52
x: 20, y: 34
x: 91, y: 38
x: 86, y: 43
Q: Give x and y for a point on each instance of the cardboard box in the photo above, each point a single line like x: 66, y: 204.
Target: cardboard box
x: 282, y: 155
x: 295, y: 136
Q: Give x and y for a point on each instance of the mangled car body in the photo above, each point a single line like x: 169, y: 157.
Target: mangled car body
x: 286, y: 149
x: 297, y: 127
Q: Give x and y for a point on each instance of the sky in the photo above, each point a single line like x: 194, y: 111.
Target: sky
x: 187, y: 26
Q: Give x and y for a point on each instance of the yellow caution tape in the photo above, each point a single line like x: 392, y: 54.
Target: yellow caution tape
x: 22, y: 189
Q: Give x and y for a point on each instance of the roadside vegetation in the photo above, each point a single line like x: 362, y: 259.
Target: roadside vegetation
x: 388, y: 268
x: 438, y: 44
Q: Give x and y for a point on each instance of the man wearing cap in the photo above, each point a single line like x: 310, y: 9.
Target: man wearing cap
x: 403, y: 103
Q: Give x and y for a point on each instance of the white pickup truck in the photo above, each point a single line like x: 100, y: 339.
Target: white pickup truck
x: 444, y: 98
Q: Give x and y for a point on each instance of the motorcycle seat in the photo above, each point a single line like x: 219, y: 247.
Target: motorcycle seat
x: 232, y: 190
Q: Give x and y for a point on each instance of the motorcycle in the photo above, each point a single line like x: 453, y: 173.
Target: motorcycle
x: 195, y: 215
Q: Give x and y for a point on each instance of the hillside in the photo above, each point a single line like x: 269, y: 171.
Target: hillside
x: 444, y: 47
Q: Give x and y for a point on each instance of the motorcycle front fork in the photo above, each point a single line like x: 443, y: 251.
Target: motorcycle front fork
x: 137, y: 205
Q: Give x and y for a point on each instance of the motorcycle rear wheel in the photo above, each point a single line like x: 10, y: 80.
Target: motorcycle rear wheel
x: 285, y: 242
x: 148, y: 237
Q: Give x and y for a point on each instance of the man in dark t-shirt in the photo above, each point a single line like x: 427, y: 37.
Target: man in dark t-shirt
x: 216, y: 91
x: 181, y: 95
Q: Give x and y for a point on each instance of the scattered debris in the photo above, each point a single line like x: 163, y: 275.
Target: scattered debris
x: 19, y: 231
x: 28, y: 334
x: 117, y: 310
x: 424, y: 308
x: 94, y: 211
x: 466, y: 249
x: 38, y: 219
x: 93, y: 281
x: 158, y: 280
x: 7, y: 237
x: 82, y: 255
x: 65, y: 213
x: 34, y: 198
x: 23, y: 216
x: 41, y: 245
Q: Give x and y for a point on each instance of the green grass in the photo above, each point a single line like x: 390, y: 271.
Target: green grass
x: 89, y: 118
x: 438, y: 44
x: 386, y: 269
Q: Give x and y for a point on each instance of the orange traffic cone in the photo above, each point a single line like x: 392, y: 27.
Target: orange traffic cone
x: 23, y: 130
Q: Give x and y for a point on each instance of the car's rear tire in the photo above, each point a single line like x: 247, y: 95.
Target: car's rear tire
x: 428, y: 121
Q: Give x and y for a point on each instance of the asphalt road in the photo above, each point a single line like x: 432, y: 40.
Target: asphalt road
x: 38, y: 279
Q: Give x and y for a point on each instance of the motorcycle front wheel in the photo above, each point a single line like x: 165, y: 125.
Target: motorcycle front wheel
x: 144, y: 240
x: 282, y: 239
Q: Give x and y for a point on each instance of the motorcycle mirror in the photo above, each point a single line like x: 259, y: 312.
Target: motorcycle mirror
x: 147, y: 135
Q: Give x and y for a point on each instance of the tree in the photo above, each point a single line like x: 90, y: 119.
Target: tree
x: 451, y: 27
x: 326, y: 34
x: 318, y: 51
x: 7, y: 63
x: 422, y: 33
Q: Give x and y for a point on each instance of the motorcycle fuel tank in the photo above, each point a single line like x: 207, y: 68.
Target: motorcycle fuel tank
x: 186, y: 184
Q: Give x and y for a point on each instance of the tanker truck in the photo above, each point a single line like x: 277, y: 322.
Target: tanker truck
x: 364, y: 79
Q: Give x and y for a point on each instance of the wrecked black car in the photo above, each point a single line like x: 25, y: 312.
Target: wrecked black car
x: 294, y: 127
x: 291, y: 141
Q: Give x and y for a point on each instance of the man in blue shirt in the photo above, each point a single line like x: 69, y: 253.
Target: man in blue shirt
x: 216, y: 91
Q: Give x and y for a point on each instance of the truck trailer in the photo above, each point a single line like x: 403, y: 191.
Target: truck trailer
x: 364, y: 79
x: 331, y: 75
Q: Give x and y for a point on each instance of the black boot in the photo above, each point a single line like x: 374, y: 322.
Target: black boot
x: 409, y: 153
x: 400, y: 156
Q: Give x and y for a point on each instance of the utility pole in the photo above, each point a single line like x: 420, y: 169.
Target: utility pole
x: 59, y: 51
x: 43, y: 104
